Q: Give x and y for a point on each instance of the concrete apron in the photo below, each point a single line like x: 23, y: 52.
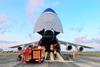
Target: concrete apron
x: 58, y: 58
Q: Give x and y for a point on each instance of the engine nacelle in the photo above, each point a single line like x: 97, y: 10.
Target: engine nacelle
x: 81, y: 49
x: 19, y: 48
x: 69, y: 47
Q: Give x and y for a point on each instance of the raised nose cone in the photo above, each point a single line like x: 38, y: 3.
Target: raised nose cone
x: 49, y: 10
x: 48, y: 20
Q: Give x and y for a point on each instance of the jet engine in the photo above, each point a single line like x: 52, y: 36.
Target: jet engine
x: 69, y: 47
x: 80, y: 49
x: 19, y: 48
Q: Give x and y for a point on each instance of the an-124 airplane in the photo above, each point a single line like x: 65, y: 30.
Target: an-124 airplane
x: 49, y: 26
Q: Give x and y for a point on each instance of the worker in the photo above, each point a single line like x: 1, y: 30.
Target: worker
x: 27, y: 54
x: 20, y: 54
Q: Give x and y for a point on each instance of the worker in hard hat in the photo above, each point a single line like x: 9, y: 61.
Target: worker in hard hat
x: 27, y: 54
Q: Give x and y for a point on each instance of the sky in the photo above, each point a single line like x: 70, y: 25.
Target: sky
x: 80, y: 20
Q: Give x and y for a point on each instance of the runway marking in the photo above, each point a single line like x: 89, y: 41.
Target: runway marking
x: 69, y: 61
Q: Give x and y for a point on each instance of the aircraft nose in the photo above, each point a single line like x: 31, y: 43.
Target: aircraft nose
x: 49, y: 10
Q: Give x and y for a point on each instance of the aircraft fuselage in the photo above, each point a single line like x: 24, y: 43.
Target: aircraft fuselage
x: 49, y: 39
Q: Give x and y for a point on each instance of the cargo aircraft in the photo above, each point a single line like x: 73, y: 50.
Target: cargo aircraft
x: 49, y: 26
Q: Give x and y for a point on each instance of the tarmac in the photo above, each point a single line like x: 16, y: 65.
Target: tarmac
x: 83, y: 61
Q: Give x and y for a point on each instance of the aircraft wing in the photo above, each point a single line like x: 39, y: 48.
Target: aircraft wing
x: 61, y: 42
x: 30, y: 43
x: 15, y: 46
x: 73, y: 44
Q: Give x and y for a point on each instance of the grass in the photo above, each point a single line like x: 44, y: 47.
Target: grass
x: 93, y: 54
x: 7, y: 54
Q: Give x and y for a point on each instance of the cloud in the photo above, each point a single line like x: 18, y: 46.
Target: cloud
x: 93, y: 40
x: 2, y: 19
x: 80, y: 39
x: 7, y: 42
x: 33, y: 6
x: 85, y: 40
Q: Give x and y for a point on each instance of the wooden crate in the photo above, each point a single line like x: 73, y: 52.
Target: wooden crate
x: 37, y: 53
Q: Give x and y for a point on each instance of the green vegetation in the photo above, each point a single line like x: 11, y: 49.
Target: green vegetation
x: 8, y: 54
x: 94, y: 54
